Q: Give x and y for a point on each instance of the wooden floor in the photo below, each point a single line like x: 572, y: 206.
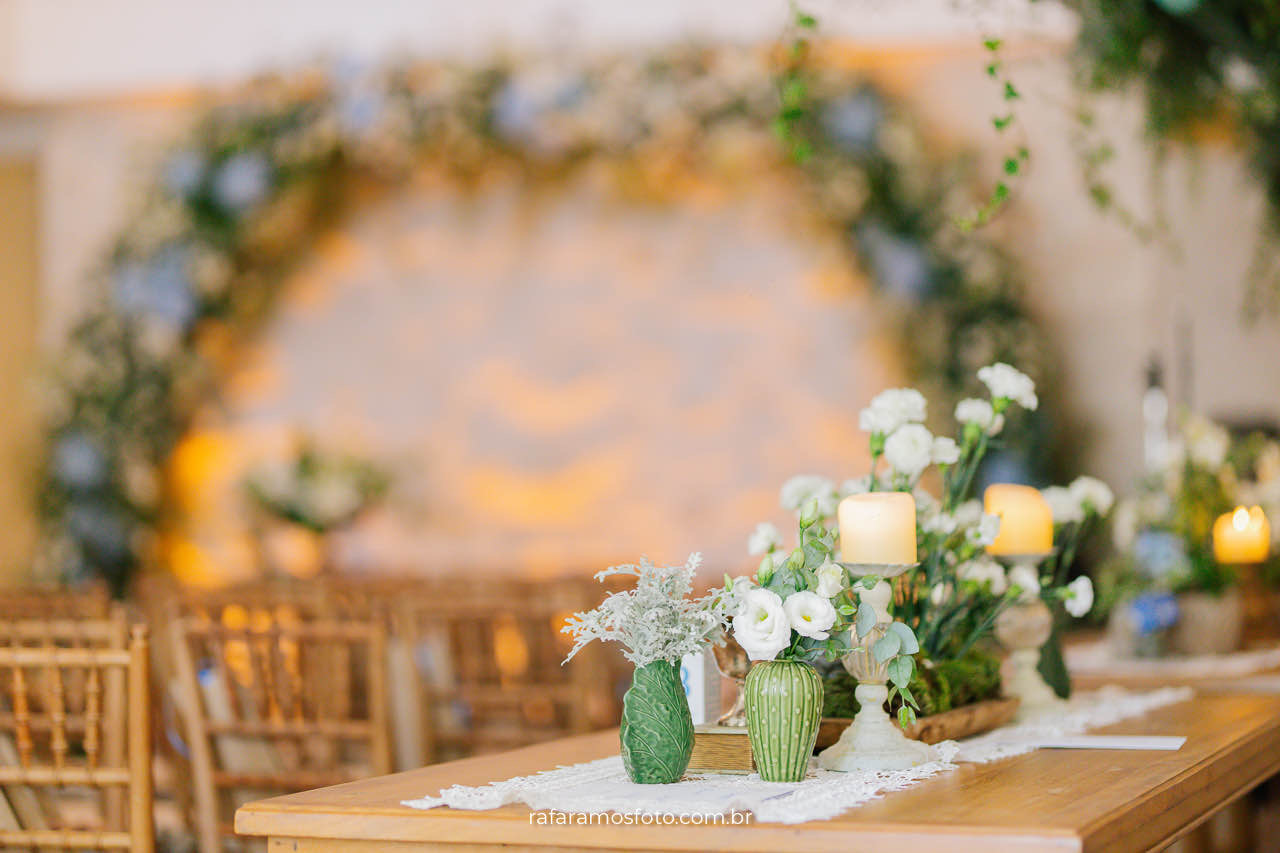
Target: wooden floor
x: 1050, y: 800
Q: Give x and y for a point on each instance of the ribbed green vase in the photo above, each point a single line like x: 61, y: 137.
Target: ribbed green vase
x: 784, y: 707
x: 657, y: 728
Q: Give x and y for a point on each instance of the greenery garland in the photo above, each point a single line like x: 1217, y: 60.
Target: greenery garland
x: 1197, y: 62
x: 238, y: 203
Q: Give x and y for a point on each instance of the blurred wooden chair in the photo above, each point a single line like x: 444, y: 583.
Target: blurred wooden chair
x: 75, y: 718
x: 487, y: 658
x: 92, y: 601
x: 277, y: 705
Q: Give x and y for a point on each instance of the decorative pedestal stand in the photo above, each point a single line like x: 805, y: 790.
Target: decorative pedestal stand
x: 872, y: 741
x: 733, y: 663
x: 1023, y: 629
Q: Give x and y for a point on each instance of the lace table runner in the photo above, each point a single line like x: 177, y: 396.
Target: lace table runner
x: 1098, y: 659
x: 602, y: 786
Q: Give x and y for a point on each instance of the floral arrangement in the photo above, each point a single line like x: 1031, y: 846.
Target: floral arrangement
x: 238, y: 202
x: 655, y: 621
x: 950, y: 601
x: 320, y: 491
x: 1164, y: 533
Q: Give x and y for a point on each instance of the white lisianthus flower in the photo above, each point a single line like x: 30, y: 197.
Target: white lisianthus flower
x: 909, y: 450
x: 830, y: 580
x: 983, y: 570
x: 892, y: 409
x: 1063, y: 504
x: 809, y: 614
x: 1026, y: 580
x: 764, y: 539
x: 801, y: 489
x: 984, y: 532
x: 945, y: 451
x: 855, y: 486
x: 760, y: 625
x: 1092, y: 495
x: 1079, y: 600
x: 1006, y: 382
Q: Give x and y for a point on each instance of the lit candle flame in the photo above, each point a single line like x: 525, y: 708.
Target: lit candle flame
x: 1240, y: 518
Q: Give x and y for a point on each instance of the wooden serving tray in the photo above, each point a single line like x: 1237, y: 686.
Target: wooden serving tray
x: 949, y: 725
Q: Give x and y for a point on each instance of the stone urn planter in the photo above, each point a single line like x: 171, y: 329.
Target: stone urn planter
x: 1209, y: 624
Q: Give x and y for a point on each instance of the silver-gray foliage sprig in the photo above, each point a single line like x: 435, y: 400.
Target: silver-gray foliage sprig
x: 656, y: 620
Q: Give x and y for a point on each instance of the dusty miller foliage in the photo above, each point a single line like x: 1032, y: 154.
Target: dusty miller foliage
x: 656, y: 620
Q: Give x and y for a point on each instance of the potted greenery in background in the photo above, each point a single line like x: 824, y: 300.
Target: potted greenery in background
x: 657, y: 624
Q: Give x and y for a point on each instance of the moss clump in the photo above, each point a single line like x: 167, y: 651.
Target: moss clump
x: 938, y: 686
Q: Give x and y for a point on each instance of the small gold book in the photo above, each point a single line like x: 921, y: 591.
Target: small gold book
x: 721, y: 749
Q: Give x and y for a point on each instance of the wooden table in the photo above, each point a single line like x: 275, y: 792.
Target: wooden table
x: 1047, y: 800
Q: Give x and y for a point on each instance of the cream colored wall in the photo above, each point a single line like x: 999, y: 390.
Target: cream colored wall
x: 19, y: 276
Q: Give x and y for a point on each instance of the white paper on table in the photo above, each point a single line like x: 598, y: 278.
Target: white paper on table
x: 1158, y: 742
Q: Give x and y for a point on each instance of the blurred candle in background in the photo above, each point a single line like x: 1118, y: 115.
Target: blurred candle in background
x: 879, y: 528
x: 1026, y: 522
x: 1242, y: 536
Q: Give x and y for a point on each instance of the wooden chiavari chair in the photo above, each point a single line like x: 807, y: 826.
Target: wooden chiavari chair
x: 277, y: 707
x: 489, y: 656
x: 76, y: 713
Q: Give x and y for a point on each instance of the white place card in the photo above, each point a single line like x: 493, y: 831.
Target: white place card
x: 1158, y: 742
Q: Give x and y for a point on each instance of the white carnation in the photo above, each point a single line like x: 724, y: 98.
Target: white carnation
x: 810, y: 614
x: 761, y: 625
x: 855, y: 486
x: 764, y: 538
x: 945, y: 451
x: 892, y: 409
x: 801, y: 489
x: 1079, y: 600
x: 909, y: 450
x: 830, y: 580
x: 983, y: 570
x: 974, y: 411
x: 1008, y: 383
x: 1063, y: 503
x: 969, y: 513
x: 1092, y: 495
x: 1026, y: 580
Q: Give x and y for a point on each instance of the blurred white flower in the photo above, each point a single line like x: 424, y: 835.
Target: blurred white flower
x: 761, y: 625
x: 909, y: 450
x: 892, y: 409
x: 1207, y: 443
x: 945, y: 451
x: 855, y: 486
x: 969, y: 513
x: 984, y: 570
x: 940, y: 593
x: 1124, y: 525
x: 1079, y: 600
x: 972, y: 410
x: 799, y: 490
x: 1092, y: 495
x: 1007, y: 382
x: 810, y: 614
x: 1063, y: 504
x: 984, y: 532
x: 830, y: 580
x: 1025, y: 579
x: 764, y: 538
x: 940, y: 522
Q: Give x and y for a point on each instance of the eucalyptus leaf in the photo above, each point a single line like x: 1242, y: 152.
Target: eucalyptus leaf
x: 904, y: 633
x: 870, y: 581
x: 900, y: 670
x: 866, y: 619
x: 886, y: 647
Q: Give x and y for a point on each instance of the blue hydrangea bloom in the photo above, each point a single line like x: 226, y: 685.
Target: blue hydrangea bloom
x: 242, y: 181
x: 78, y: 462
x: 853, y: 122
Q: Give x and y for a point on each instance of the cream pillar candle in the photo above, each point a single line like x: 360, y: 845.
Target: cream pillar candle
x: 1242, y: 536
x: 878, y: 528
x: 1026, y: 522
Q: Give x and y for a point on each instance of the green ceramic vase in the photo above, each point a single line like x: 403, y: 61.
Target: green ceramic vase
x: 784, y: 707
x: 657, y: 727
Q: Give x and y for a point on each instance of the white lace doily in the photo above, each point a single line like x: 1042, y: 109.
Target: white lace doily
x: 602, y: 786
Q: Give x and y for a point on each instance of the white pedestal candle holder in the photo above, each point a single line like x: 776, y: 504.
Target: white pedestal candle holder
x: 872, y: 741
x: 1023, y: 629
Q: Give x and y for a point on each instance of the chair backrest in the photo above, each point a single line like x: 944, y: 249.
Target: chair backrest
x: 75, y: 712
x: 92, y: 601
x: 489, y: 661
x: 282, y: 704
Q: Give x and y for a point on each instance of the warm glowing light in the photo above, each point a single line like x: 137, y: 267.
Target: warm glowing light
x: 1242, y: 536
x: 1026, y: 522
x: 878, y: 528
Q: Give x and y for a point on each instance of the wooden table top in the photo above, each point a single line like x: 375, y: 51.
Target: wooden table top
x: 1046, y: 800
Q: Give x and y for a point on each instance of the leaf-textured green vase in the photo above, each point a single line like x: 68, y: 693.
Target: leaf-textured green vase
x: 784, y: 707
x: 657, y: 728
